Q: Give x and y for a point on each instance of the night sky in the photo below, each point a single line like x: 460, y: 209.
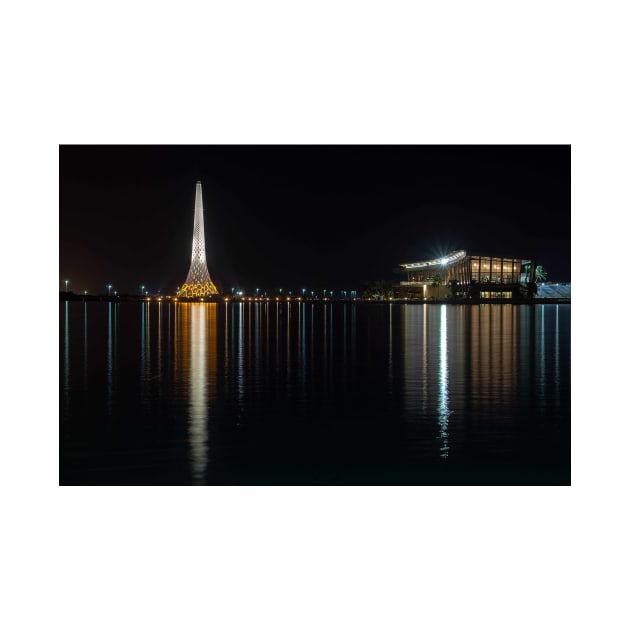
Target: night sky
x: 305, y: 216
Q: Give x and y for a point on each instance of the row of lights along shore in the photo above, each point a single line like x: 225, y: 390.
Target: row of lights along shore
x: 238, y: 295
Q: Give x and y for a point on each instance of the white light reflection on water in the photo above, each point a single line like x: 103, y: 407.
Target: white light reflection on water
x: 197, y: 408
x: 425, y: 359
x: 443, y: 409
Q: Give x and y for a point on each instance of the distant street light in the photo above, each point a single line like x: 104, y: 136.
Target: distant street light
x: 303, y: 292
x: 109, y: 289
x: 256, y: 292
x: 66, y: 281
x: 142, y: 290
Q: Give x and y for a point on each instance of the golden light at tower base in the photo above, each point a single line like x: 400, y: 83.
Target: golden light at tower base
x: 198, y: 289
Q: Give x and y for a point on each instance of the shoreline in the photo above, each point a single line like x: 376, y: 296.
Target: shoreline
x: 63, y: 297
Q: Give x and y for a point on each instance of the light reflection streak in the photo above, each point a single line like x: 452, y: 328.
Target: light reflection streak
x: 240, y: 380
x: 148, y: 352
x: 277, y: 336
x: 226, y: 346
x: 267, y: 330
x: 443, y: 410
x: 176, y: 312
x: 542, y: 378
x: 332, y: 346
x: 232, y: 335
x: 66, y: 363
x: 557, y: 355
x: 109, y: 358
x: 389, y: 352
x: 353, y: 338
x: 143, y: 350
x: 198, y: 412
x: 299, y: 331
x: 345, y: 344
x: 425, y: 359
x: 85, y: 349
x: 249, y: 334
x: 159, y: 349
x: 312, y: 338
x: 414, y: 372
x: 267, y: 353
x: 303, y: 344
x: 325, y: 345
x: 257, y: 337
x: 168, y: 340
x: 288, y: 360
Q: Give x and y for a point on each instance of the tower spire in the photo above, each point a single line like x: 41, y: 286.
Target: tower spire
x: 198, y: 282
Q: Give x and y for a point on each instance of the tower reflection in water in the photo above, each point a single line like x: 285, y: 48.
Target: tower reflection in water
x: 196, y: 365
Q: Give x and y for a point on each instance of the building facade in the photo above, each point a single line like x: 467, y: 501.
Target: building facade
x: 462, y: 275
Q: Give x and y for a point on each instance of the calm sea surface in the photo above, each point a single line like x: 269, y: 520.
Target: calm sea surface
x: 251, y: 393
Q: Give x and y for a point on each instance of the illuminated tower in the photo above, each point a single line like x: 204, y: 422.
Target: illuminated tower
x: 198, y: 282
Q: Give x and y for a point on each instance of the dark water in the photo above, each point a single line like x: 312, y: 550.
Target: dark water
x: 251, y: 393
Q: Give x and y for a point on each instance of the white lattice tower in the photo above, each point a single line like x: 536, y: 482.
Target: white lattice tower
x: 198, y: 282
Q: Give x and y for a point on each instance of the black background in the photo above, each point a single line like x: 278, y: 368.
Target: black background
x: 296, y: 216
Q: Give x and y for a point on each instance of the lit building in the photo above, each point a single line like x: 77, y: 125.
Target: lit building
x: 459, y: 274
x: 198, y: 282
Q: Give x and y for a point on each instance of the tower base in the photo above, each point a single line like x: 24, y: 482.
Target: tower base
x: 198, y: 289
